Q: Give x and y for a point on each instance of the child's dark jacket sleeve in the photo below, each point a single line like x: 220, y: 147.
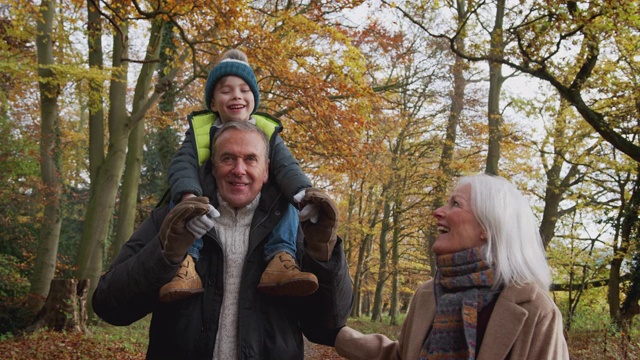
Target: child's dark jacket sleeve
x: 183, y: 170
x: 285, y: 170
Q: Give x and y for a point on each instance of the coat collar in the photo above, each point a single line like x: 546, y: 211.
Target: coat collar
x: 506, y: 322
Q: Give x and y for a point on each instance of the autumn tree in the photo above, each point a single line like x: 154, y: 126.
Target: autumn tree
x: 544, y: 38
x: 584, y: 202
x: 445, y: 173
x: 461, y: 10
x: 103, y: 191
x: 133, y: 162
x: 496, y: 79
x: 566, y: 154
x: 566, y: 148
x: 307, y: 90
x: 50, y: 86
x: 408, y: 121
x: 625, y: 184
x: 20, y: 171
x: 598, y: 39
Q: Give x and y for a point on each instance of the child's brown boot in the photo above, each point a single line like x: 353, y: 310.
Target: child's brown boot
x: 184, y: 284
x: 283, y: 277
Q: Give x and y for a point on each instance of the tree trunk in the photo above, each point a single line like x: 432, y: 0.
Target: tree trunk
x: 133, y: 163
x: 395, y: 266
x: 357, y: 280
x: 167, y: 58
x: 364, y: 252
x: 630, y: 230
x: 376, y: 311
x: 47, y: 251
x: 495, y: 86
x: 129, y: 190
x: 103, y: 192
x: 65, y: 308
x: 366, y: 303
x: 557, y: 184
x: 96, y: 107
x: 455, y: 114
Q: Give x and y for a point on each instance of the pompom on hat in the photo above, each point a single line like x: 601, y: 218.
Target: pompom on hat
x: 231, y: 67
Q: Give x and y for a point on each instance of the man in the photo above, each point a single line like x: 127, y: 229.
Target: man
x: 231, y: 319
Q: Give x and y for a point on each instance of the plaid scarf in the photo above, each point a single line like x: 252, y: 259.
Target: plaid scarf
x: 463, y: 288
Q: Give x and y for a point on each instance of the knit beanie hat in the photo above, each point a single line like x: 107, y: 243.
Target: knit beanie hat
x: 233, y: 67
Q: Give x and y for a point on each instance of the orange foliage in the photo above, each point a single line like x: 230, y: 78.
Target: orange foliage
x: 65, y: 346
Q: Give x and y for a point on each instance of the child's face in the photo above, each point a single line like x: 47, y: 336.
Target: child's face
x: 232, y: 99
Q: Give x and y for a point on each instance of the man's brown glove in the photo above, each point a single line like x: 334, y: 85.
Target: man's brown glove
x: 175, y: 239
x: 321, y: 235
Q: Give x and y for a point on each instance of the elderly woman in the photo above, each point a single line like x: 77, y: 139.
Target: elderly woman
x: 489, y: 298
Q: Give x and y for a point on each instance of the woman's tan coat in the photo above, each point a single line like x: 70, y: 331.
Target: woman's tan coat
x: 525, y: 324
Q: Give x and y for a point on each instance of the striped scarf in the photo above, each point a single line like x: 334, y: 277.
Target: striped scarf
x: 463, y: 288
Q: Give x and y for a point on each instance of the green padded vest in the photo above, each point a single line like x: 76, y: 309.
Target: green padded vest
x: 202, y: 124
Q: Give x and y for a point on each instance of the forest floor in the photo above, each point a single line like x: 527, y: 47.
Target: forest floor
x: 129, y: 343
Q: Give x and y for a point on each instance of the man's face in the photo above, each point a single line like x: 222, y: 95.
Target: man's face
x: 240, y: 166
x: 232, y: 99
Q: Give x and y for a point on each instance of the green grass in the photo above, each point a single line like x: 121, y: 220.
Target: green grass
x: 366, y: 326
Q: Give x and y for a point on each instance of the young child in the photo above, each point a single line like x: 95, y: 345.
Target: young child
x: 231, y: 94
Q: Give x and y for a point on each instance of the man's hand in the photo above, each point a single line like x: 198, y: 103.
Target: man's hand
x: 175, y: 238
x: 321, y: 235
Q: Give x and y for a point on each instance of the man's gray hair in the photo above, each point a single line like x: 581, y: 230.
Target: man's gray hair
x: 244, y: 126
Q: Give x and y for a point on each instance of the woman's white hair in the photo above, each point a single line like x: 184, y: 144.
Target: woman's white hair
x: 514, y: 244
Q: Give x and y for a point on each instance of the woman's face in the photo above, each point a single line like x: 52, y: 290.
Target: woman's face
x: 458, y: 228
